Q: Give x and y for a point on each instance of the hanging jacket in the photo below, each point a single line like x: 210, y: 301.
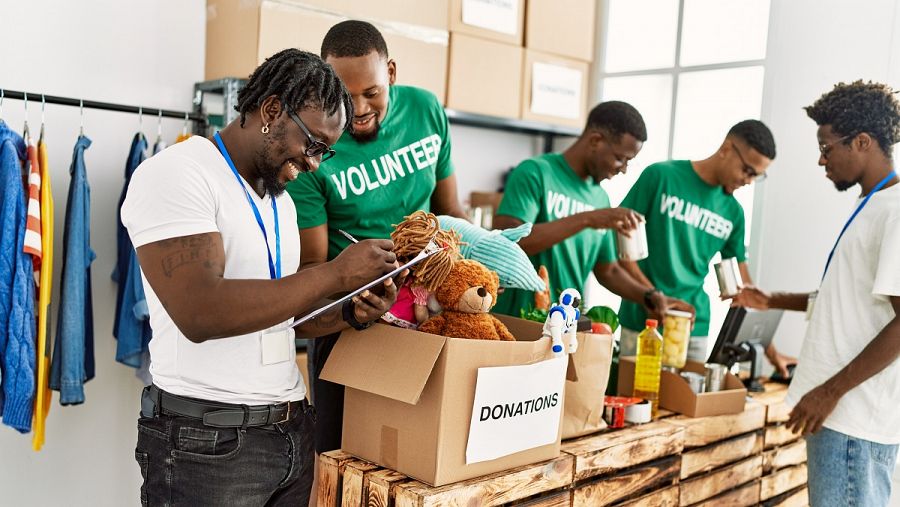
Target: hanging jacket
x: 73, y: 352
x: 17, y: 320
x: 45, y: 286
x: 132, y: 325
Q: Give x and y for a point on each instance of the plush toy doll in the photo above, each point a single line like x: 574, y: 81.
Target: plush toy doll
x: 466, y: 296
x: 411, y: 237
x: 498, y: 251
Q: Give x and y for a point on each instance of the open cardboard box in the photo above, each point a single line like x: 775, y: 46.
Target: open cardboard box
x: 410, y: 395
x: 675, y: 394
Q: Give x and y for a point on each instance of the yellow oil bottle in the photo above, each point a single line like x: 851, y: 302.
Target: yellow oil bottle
x: 648, y: 365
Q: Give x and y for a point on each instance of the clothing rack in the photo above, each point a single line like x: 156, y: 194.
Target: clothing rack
x: 200, y: 118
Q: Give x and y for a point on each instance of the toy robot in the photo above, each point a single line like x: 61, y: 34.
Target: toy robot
x: 562, y: 320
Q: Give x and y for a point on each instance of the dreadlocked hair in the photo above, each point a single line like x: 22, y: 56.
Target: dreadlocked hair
x: 858, y: 107
x: 300, y: 80
x: 412, y: 236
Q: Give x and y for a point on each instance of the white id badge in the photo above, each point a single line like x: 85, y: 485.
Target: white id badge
x: 277, y: 346
x: 811, y: 304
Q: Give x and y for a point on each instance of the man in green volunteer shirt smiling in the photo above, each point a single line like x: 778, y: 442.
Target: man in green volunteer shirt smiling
x: 691, y: 215
x: 560, y: 194
x: 394, y: 160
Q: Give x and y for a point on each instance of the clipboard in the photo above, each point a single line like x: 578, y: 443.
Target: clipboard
x: 424, y: 254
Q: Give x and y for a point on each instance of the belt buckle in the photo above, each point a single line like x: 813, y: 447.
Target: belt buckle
x: 287, y: 414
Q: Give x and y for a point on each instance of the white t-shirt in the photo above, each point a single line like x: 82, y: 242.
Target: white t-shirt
x: 190, y: 189
x: 852, y: 307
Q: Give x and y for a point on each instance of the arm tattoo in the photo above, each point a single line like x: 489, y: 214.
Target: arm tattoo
x: 187, y: 250
x: 329, y: 319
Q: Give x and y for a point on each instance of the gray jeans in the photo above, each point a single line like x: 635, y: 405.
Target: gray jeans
x: 696, y: 348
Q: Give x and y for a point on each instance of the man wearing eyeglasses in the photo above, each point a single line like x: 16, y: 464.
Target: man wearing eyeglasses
x: 691, y: 215
x: 226, y: 421
x: 845, y: 390
x: 394, y: 160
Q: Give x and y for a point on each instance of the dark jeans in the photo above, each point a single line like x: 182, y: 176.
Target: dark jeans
x: 184, y: 462
x: 327, y: 397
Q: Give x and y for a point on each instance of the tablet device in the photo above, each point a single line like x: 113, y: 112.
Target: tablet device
x: 417, y: 259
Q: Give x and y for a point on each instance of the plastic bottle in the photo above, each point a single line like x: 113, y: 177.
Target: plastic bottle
x: 648, y: 365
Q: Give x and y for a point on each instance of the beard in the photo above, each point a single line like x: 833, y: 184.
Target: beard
x: 843, y: 186
x: 366, y: 137
x: 267, y: 170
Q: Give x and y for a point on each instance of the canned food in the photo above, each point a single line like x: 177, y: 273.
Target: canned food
x: 729, y: 276
x: 676, y: 338
x: 715, y: 377
x: 697, y: 381
x: 634, y: 246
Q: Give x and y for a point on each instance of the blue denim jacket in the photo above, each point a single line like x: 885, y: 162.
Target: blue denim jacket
x: 132, y: 324
x: 73, y: 352
x: 18, y: 326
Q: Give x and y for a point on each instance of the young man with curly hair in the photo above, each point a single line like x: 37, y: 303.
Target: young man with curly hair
x: 847, y: 384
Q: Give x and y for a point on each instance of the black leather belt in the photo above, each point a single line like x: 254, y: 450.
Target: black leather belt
x: 222, y: 415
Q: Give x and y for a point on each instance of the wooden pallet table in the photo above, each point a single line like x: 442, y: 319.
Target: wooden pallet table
x: 784, y: 458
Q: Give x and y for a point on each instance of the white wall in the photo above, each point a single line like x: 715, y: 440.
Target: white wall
x: 141, y: 53
x: 813, y: 44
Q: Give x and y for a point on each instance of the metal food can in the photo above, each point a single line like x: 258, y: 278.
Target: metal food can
x: 715, y: 377
x: 697, y: 381
x: 633, y: 247
x: 729, y: 276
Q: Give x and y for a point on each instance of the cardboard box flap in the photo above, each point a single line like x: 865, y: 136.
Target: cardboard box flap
x: 368, y: 361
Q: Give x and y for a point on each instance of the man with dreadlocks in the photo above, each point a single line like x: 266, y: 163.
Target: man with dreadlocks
x: 845, y: 389
x: 394, y: 160
x: 225, y: 421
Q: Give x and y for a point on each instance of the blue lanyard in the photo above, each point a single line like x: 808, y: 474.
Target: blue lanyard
x: 859, y: 208
x: 274, y: 267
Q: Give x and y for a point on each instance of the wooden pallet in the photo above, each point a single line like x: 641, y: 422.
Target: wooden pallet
x: 784, y: 458
x: 720, y: 481
x: 702, y: 431
x: 795, y: 498
x: 628, y: 484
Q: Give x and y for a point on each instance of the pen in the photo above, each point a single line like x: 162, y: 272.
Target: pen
x: 348, y: 236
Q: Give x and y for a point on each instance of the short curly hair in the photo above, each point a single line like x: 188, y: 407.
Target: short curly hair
x: 353, y: 38
x: 757, y: 135
x: 858, y: 107
x: 617, y: 118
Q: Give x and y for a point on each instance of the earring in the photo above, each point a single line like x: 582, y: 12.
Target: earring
x: 265, y: 129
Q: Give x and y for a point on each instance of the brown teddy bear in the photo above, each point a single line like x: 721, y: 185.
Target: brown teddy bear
x: 467, y: 295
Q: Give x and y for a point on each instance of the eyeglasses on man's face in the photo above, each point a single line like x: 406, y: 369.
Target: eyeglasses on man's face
x: 314, y: 147
x: 825, y: 148
x: 748, y: 169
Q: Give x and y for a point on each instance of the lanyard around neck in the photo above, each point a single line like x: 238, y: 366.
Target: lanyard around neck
x: 274, y: 267
x: 859, y: 208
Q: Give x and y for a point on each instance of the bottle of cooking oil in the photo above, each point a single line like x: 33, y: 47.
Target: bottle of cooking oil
x: 648, y: 365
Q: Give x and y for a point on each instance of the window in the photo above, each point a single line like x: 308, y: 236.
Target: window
x: 693, y: 68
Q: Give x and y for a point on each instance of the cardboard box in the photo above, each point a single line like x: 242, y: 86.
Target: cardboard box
x: 562, y: 27
x: 432, y: 14
x: 484, y: 77
x: 675, y: 394
x: 554, y: 89
x: 410, y: 397
x: 499, y: 20
x: 241, y: 35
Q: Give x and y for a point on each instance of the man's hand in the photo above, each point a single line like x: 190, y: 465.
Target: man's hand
x: 808, y: 416
x: 622, y: 220
x: 369, y: 307
x: 779, y: 361
x: 752, y: 297
x: 362, y: 262
x: 662, y: 303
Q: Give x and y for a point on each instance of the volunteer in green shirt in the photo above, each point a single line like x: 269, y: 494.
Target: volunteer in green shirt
x: 394, y: 160
x: 560, y: 194
x: 691, y: 215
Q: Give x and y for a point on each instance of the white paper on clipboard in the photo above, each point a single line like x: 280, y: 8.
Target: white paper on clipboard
x: 417, y: 259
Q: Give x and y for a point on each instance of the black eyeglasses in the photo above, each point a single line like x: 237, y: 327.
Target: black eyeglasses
x: 824, y: 149
x: 747, y: 168
x: 314, y: 147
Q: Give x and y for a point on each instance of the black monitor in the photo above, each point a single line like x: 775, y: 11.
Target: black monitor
x: 744, y: 336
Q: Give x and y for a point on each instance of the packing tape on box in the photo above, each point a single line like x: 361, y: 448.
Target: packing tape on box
x: 417, y: 32
x: 639, y: 413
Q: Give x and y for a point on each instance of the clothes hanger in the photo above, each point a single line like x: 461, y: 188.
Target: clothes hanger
x: 159, y: 126
x: 1, y: 105
x: 81, y: 116
x: 141, y: 121
x: 43, y: 106
x: 183, y: 127
x: 25, y: 131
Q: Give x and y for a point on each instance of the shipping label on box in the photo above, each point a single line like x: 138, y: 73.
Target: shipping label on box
x: 516, y: 408
x: 556, y: 90
x: 497, y: 15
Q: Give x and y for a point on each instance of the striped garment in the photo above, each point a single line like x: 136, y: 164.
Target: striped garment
x: 33, y: 227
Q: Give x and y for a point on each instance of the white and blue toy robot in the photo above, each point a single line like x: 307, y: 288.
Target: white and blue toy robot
x: 562, y: 320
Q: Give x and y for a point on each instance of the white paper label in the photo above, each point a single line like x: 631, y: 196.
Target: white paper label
x: 555, y: 91
x: 516, y: 408
x: 277, y: 346
x: 497, y: 15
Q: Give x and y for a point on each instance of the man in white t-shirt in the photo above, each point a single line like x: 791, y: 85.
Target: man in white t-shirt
x: 226, y: 421
x: 847, y: 385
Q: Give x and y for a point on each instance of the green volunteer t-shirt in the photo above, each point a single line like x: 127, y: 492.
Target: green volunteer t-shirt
x: 544, y: 189
x: 688, y: 221
x: 367, y: 188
